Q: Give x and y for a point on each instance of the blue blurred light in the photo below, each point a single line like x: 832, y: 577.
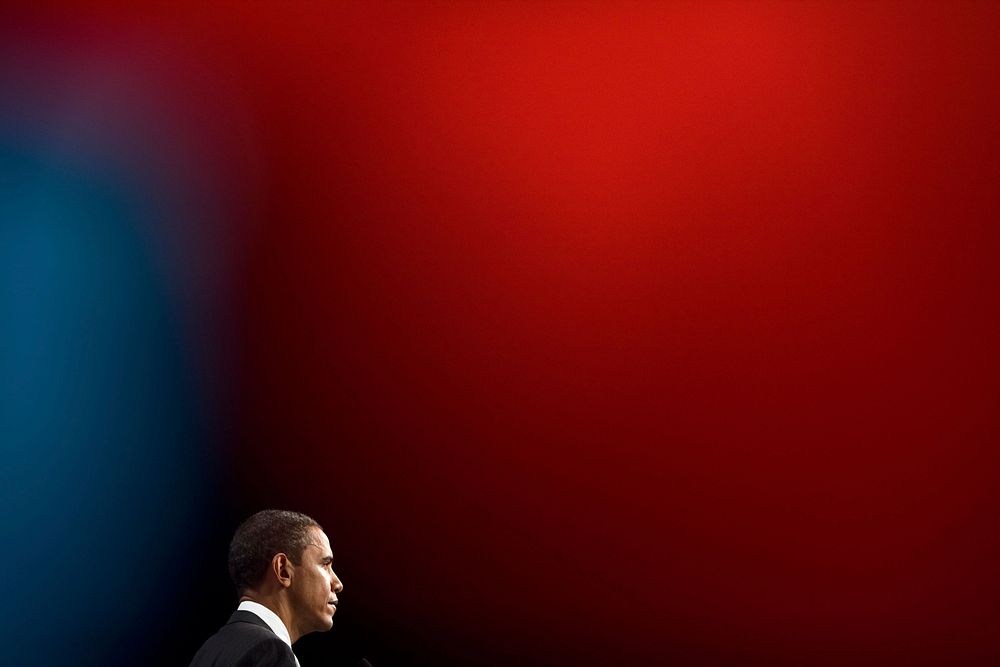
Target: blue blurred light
x: 98, y: 424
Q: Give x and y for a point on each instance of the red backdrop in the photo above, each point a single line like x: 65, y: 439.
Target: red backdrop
x: 612, y: 332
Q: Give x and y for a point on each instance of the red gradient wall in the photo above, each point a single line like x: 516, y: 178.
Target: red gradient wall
x: 605, y: 332
x: 642, y: 331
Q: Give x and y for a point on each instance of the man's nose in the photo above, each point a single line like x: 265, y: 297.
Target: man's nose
x: 335, y: 584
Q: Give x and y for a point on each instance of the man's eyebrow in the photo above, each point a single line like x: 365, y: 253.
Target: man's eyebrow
x: 325, y: 559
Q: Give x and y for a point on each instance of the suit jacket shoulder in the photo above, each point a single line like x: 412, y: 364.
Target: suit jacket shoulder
x: 244, y: 641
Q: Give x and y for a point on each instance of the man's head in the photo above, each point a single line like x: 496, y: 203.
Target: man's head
x: 284, y: 558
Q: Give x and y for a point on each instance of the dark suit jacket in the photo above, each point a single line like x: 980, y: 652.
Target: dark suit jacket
x: 244, y: 641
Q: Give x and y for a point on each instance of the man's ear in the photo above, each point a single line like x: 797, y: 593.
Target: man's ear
x: 282, y: 568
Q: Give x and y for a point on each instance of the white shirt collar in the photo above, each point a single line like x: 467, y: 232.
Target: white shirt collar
x: 273, y: 620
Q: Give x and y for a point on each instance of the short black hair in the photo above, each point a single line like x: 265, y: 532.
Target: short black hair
x: 259, y: 538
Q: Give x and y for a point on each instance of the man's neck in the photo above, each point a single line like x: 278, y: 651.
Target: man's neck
x: 278, y: 605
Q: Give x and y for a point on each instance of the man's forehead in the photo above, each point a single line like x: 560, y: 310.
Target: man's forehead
x: 321, y: 542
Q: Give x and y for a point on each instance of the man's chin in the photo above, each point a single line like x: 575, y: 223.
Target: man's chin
x: 323, y: 624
